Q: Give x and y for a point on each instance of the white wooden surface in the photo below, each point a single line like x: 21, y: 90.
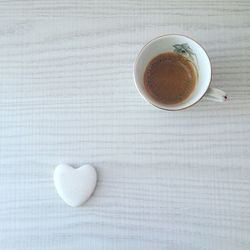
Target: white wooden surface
x: 178, y: 180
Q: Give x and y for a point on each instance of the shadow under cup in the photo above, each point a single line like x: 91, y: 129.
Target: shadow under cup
x: 179, y: 44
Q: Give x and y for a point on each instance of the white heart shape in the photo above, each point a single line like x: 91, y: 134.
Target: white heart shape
x: 75, y: 185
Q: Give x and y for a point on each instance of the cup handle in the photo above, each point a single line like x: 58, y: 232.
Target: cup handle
x: 215, y: 95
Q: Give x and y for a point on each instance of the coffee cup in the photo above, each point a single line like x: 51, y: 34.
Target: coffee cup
x: 195, y: 53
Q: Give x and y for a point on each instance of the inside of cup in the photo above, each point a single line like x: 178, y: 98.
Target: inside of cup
x: 178, y: 44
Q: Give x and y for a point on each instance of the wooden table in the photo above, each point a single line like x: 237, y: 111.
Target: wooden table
x: 167, y: 180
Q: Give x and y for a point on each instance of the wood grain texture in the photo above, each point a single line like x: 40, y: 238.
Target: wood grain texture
x: 167, y: 180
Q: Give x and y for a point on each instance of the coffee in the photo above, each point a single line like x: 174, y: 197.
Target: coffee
x: 170, y: 78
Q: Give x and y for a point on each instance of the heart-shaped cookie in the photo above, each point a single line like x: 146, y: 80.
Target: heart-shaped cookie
x: 75, y: 185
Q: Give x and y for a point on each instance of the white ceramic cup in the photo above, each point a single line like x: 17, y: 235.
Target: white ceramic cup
x: 188, y: 48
